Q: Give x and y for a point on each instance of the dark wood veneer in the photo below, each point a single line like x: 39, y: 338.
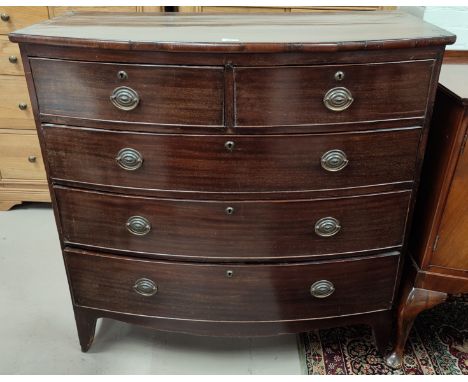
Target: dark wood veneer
x: 212, y: 58
x: 203, y: 292
x: 257, y: 163
x: 168, y: 94
x: 228, y: 129
x: 306, y: 33
x: 294, y: 95
x: 201, y: 92
x: 256, y: 229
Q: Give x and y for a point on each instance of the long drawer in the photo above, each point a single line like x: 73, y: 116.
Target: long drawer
x: 234, y: 292
x: 261, y: 163
x: 232, y: 230
x: 167, y: 95
x: 272, y: 96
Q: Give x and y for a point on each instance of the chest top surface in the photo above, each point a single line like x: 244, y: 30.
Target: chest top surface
x: 237, y: 33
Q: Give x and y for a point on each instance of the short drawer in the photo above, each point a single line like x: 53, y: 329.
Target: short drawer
x: 232, y: 230
x: 207, y: 292
x: 148, y: 94
x: 20, y: 157
x: 10, y: 58
x: 230, y: 164
x: 20, y: 17
x: 15, y: 107
x: 272, y: 96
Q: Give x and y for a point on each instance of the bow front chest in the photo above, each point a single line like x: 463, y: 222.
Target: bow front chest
x: 233, y: 174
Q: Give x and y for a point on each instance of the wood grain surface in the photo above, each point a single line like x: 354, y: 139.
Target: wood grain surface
x: 13, y: 91
x: 21, y: 17
x: 168, y: 94
x: 440, y: 210
x: 295, y: 95
x: 257, y: 163
x: 452, y: 246
x: 234, y: 33
x: 203, y: 292
x: 232, y: 246
x: 15, y: 153
x: 438, y: 240
x: 255, y: 230
x: 7, y: 50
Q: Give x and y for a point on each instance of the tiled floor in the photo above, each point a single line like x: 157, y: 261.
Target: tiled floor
x: 37, y: 329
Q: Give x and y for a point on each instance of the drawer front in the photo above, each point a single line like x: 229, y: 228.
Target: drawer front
x: 19, y: 17
x: 15, y: 107
x: 10, y: 58
x: 275, y: 96
x: 20, y: 157
x: 252, y: 164
x: 164, y: 95
x: 232, y: 230
x: 232, y: 292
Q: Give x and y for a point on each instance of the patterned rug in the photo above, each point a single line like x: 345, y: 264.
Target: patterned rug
x: 438, y: 344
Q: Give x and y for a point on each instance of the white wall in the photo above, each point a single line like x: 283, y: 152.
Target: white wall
x: 453, y: 19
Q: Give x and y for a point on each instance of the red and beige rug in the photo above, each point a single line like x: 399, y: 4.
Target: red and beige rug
x: 438, y: 344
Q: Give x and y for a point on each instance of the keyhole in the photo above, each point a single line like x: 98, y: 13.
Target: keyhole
x: 229, y: 210
x: 229, y: 273
x: 339, y: 75
x: 229, y: 145
x: 122, y: 75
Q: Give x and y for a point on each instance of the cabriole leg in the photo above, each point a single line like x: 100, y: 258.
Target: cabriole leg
x: 413, y: 302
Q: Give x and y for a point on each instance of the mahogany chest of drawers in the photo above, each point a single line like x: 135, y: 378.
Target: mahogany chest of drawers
x: 233, y: 175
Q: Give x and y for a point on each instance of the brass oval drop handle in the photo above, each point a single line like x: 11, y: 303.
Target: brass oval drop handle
x: 129, y: 159
x: 145, y: 287
x: 13, y: 59
x: 5, y: 17
x: 138, y: 225
x: 338, y: 99
x: 327, y: 227
x: 124, y: 98
x: 334, y: 160
x: 322, y: 289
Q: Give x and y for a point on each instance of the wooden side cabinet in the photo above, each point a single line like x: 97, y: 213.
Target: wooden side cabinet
x: 439, y: 238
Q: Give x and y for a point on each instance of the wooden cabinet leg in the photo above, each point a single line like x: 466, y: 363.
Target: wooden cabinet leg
x: 86, y: 326
x: 382, y: 328
x: 413, y: 302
